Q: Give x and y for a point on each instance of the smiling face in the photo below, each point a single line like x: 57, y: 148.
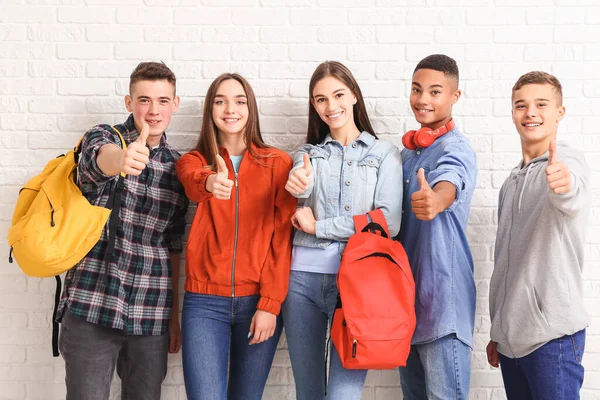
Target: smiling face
x: 153, y: 102
x: 432, y: 96
x: 230, y: 108
x: 536, y: 112
x: 334, y: 102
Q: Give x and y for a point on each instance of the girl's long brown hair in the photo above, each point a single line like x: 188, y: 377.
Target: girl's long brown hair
x: 208, y: 142
x: 317, y: 129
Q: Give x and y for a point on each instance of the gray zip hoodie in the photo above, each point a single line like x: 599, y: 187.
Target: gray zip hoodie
x: 536, y: 290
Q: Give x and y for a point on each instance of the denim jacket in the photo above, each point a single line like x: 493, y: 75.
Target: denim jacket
x: 347, y: 181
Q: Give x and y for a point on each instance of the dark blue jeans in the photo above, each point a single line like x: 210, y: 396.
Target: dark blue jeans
x: 214, y: 332
x: 553, y: 371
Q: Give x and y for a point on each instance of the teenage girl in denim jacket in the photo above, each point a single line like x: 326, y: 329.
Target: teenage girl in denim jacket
x: 342, y: 171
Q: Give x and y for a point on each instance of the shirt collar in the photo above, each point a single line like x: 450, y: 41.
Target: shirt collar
x: 364, y: 137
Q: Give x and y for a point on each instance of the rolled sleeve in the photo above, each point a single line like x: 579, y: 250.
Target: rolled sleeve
x: 88, y: 170
x: 457, y: 165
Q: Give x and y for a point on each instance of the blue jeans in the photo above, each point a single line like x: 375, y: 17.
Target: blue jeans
x: 214, y: 331
x: 553, y: 371
x: 439, y: 370
x: 307, y: 310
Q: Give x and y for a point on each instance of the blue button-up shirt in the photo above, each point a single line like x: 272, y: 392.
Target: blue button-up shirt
x: 438, y: 250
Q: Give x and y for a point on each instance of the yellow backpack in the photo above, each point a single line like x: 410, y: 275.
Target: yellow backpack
x: 54, y: 226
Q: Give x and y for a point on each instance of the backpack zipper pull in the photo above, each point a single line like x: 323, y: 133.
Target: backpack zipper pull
x: 354, y: 348
x: 10, y: 259
x: 52, y: 218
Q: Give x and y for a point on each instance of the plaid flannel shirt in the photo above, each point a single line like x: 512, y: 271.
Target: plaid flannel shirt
x: 136, y: 295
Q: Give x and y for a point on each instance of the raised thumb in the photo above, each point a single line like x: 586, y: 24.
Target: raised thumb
x: 552, y: 152
x: 221, y: 166
x: 422, y: 181
x: 143, y: 138
x: 307, y: 165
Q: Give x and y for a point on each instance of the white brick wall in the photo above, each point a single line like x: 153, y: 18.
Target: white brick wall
x: 64, y: 66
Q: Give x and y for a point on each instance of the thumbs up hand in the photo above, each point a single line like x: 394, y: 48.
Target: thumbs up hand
x: 220, y: 184
x: 137, y: 155
x: 557, y: 172
x: 424, y: 201
x: 301, y: 178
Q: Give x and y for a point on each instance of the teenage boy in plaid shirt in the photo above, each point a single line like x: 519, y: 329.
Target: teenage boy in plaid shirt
x: 121, y: 309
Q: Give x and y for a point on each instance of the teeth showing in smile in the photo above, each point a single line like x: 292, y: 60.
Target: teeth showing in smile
x: 231, y: 120
x: 422, y: 111
x: 332, y: 116
x: 532, y: 125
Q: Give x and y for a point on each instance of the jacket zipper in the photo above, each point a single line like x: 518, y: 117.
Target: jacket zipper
x: 354, y: 343
x: 512, y: 211
x: 235, y: 238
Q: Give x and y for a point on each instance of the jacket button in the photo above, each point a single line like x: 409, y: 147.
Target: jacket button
x: 371, y: 162
x: 350, y: 162
x: 354, y: 145
x: 347, y: 183
x: 347, y: 207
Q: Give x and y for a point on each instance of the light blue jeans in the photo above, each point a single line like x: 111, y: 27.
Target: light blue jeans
x: 214, y: 332
x: 307, y: 311
x: 439, y: 370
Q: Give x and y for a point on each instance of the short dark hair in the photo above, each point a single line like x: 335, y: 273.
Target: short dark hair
x: 539, y: 78
x: 439, y: 62
x: 151, y: 71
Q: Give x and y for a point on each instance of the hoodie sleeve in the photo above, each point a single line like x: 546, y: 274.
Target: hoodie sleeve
x: 275, y: 273
x: 192, y: 172
x: 579, y: 196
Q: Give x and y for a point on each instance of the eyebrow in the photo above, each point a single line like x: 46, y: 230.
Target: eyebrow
x: 237, y: 96
x: 148, y: 98
x: 538, y: 99
x: 334, y: 92
x: 435, y: 85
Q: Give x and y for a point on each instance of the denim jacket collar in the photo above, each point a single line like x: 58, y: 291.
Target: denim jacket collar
x: 364, y: 137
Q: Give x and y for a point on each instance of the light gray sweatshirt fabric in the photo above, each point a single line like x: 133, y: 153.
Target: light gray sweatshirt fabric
x: 536, y: 290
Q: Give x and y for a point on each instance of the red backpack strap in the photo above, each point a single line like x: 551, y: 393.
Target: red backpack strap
x: 378, y: 217
x: 360, y: 221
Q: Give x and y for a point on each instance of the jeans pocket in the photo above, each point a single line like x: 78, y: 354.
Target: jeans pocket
x: 578, y: 341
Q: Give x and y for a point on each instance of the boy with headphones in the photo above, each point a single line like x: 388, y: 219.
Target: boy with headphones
x: 536, y: 291
x: 440, y: 173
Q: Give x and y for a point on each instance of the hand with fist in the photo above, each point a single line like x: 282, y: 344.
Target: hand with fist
x: 219, y: 184
x: 300, y: 180
x: 137, y: 155
x: 304, y: 220
x: 557, y: 172
x: 424, y: 201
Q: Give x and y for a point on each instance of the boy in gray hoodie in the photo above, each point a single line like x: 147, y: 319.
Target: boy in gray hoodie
x: 536, y: 290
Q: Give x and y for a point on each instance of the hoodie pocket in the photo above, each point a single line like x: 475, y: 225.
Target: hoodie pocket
x: 536, y: 309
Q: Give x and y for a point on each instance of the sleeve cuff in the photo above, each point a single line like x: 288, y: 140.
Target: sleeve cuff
x: 269, y: 305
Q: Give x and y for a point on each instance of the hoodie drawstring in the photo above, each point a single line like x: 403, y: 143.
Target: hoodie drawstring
x: 523, y: 187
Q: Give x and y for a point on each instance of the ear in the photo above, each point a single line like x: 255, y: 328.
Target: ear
x: 354, y: 100
x: 561, y: 113
x: 128, y: 102
x: 456, y: 96
x: 176, y: 101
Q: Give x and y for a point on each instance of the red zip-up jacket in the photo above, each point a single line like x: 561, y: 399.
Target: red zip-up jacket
x: 241, y: 246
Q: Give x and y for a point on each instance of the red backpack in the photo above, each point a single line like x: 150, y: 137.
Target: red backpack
x: 375, y: 319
